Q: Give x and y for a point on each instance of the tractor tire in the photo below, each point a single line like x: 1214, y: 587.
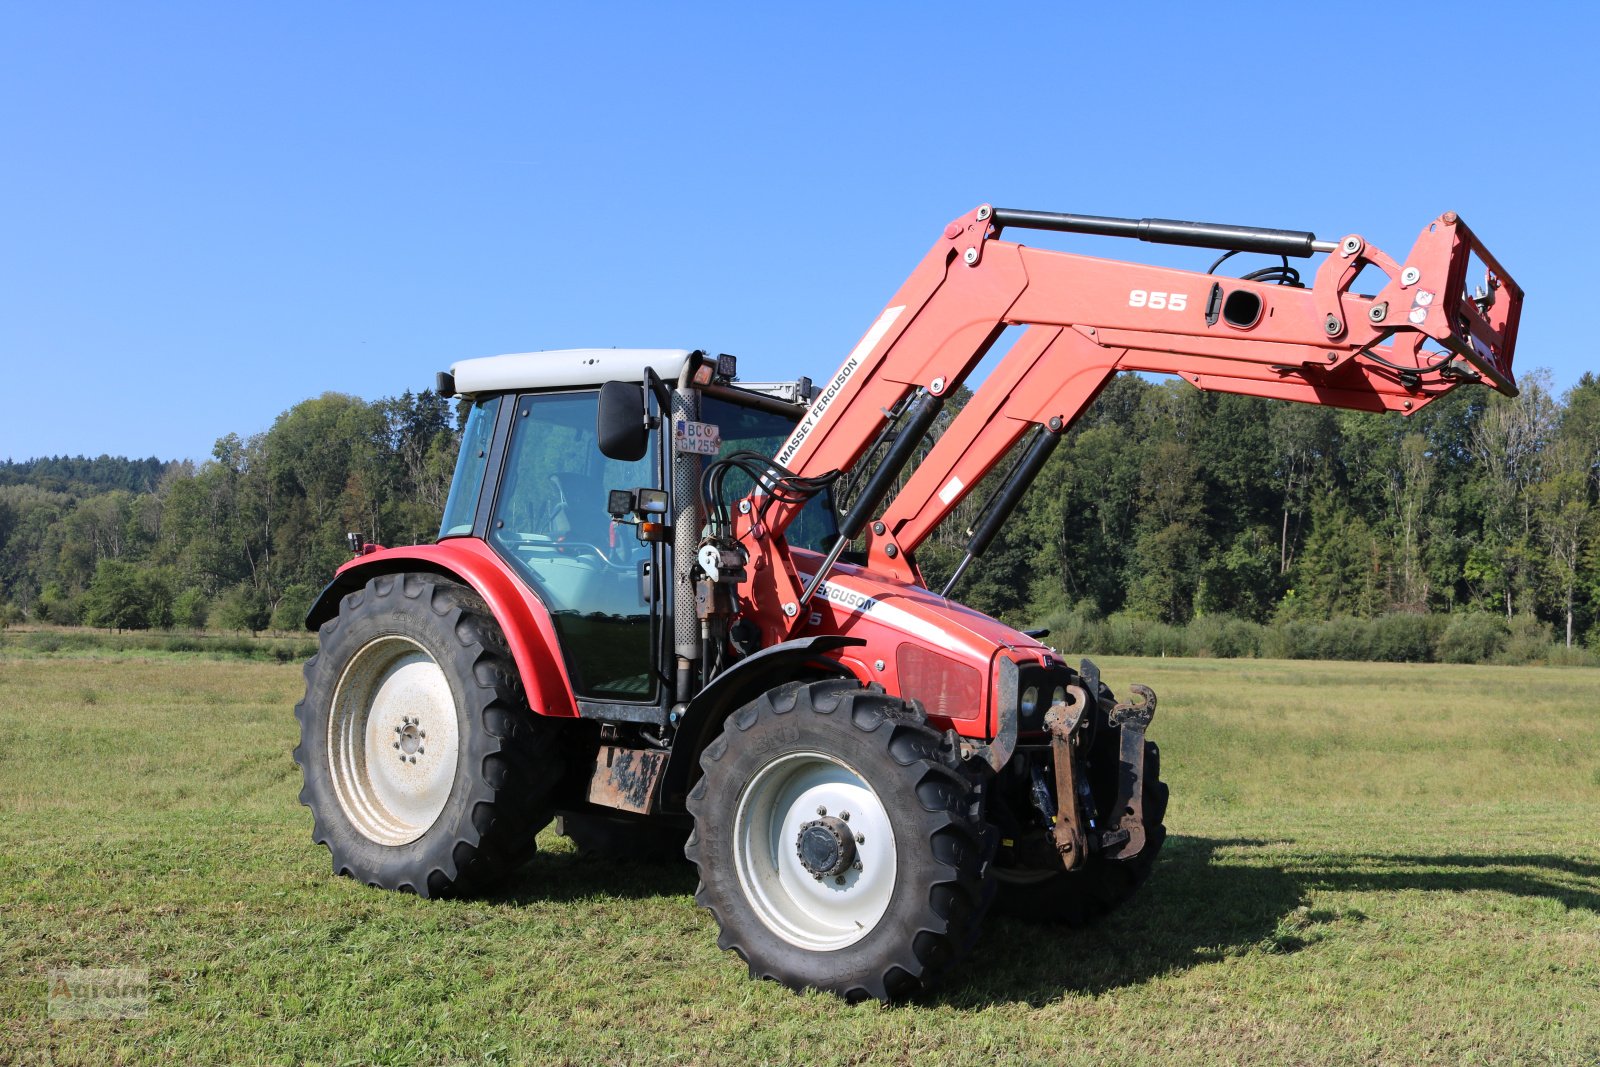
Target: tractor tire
x: 1081, y: 897
x: 836, y: 849
x: 424, y: 769
x: 614, y: 839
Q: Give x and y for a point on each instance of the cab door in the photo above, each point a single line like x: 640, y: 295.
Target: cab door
x: 549, y: 522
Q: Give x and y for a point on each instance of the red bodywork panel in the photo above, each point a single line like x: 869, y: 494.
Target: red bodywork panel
x: 894, y: 617
x: 526, y: 623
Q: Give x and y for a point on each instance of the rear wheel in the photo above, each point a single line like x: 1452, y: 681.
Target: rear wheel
x: 423, y: 767
x: 836, y: 849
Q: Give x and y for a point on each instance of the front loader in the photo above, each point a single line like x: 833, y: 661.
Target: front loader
x: 673, y: 606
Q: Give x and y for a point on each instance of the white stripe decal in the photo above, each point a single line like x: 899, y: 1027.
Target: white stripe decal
x: 948, y: 493
x: 890, y: 615
x: 852, y: 363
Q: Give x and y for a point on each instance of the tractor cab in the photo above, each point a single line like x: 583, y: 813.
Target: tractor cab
x: 584, y: 530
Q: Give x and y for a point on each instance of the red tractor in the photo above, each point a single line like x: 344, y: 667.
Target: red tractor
x: 645, y: 611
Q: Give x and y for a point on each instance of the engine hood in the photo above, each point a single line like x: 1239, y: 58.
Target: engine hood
x: 853, y: 599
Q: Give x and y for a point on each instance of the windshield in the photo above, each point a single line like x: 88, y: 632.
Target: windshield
x: 753, y: 430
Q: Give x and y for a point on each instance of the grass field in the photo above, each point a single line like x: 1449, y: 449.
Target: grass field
x: 1368, y: 864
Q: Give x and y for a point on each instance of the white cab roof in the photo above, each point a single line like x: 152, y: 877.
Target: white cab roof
x: 565, y: 367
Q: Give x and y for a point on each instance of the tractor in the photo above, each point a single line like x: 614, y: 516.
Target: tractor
x: 672, y: 608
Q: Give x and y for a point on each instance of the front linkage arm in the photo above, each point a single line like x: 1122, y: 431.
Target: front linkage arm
x: 1087, y: 319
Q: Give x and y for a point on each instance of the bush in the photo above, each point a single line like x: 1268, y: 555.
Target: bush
x: 290, y: 614
x: 190, y: 609
x: 58, y: 606
x: 1343, y: 638
x: 1528, y: 641
x: 1473, y: 637
x: 243, y: 608
x: 1224, y: 636
x: 1405, y: 638
x: 1576, y: 656
x: 1288, y: 638
x: 1465, y: 637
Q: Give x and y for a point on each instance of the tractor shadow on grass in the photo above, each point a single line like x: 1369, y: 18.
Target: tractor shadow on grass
x: 1573, y: 883
x: 565, y: 877
x: 1208, y: 899
x: 1213, y: 898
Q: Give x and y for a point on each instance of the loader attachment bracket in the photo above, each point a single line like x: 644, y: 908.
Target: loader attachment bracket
x: 1133, y: 719
x: 1063, y: 721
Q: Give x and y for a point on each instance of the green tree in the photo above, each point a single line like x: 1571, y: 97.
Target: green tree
x: 124, y: 596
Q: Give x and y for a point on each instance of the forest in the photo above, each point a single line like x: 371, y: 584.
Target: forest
x: 1171, y: 521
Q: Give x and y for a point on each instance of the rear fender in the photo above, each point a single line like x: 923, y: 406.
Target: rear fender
x: 523, y: 619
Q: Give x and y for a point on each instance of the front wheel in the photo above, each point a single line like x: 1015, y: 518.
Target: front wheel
x: 836, y: 848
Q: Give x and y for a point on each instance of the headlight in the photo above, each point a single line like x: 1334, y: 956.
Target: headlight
x: 1059, y: 696
x: 1030, y: 700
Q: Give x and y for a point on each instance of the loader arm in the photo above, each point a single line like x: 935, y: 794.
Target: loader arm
x: 1088, y: 318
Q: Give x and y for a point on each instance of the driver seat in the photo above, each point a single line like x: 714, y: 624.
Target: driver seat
x: 570, y: 520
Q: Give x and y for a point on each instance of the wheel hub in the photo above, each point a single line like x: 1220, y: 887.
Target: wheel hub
x: 826, y: 847
x: 411, y: 737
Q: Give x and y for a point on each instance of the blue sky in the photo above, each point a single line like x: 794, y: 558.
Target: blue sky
x: 212, y: 211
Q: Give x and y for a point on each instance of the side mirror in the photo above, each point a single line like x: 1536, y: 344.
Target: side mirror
x: 620, y: 422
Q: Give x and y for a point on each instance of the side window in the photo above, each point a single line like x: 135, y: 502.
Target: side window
x: 550, y: 522
x: 467, y: 483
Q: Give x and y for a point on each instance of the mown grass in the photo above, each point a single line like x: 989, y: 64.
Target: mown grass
x: 1369, y: 864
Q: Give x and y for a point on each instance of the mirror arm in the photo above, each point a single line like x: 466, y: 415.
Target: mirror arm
x: 663, y: 395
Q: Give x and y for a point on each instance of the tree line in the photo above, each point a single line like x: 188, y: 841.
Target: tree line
x: 242, y: 541
x: 1164, y: 504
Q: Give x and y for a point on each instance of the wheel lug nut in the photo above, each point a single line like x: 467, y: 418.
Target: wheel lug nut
x: 399, y: 730
x: 861, y: 839
x: 397, y: 744
x: 422, y: 734
x: 845, y: 815
x: 413, y: 759
x: 420, y: 751
x: 821, y: 810
x: 839, y: 880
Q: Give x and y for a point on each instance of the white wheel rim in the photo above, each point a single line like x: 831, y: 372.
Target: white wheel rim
x: 789, y: 899
x: 393, y: 740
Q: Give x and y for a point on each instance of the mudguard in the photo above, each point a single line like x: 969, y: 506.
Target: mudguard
x: 731, y: 690
x: 526, y: 624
